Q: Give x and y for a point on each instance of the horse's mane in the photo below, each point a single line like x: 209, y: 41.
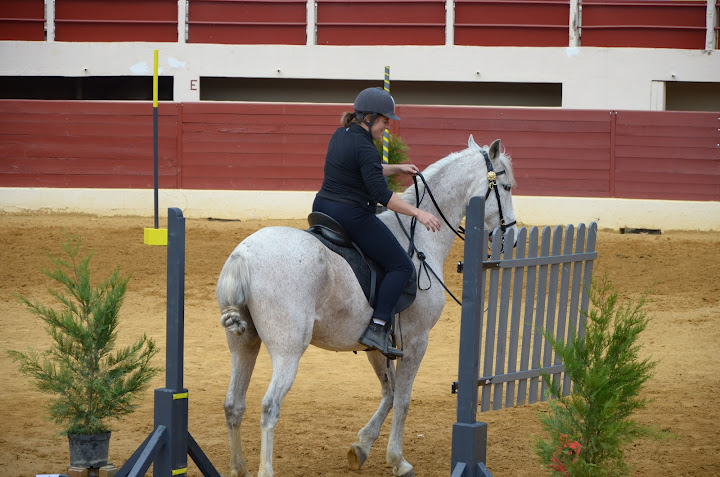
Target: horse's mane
x: 437, y: 167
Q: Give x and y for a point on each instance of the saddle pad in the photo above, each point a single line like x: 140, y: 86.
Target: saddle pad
x: 361, y: 267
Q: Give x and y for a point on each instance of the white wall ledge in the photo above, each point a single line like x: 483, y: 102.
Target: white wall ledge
x: 591, y: 78
x: 246, y: 205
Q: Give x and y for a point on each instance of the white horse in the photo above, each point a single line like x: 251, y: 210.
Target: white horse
x: 281, y: 286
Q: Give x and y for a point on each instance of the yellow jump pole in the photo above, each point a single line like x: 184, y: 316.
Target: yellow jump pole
x: 155, y: 236
x: 386, y: 133
x: 386, y: 137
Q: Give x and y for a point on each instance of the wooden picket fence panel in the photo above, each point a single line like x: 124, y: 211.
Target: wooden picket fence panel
x: 540, y: 285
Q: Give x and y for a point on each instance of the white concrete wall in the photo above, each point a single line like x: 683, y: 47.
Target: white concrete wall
x: 592, y: 78
x: 608, y: 213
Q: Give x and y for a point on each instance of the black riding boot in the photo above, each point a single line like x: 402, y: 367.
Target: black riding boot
x: 379, y: 337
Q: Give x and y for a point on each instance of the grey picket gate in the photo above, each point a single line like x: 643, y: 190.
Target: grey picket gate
x: 509, y: 298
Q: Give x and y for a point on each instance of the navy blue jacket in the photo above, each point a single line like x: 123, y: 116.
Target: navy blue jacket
x: 353, y: 170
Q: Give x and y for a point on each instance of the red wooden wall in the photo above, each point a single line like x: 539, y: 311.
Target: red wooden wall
x: 644, y: 23
x: 255, y: 146
x: 247, y: 22
x: 381, y: 22
x: 116, y: 20
x: 605, y: 23
x: 512, y: 23
x: 85, y: 144
x: 262, y: 146
x: 676, y: 153
x: 22, y: 20
x: 555, y: 152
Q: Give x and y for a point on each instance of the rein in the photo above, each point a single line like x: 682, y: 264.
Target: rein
x: 492, y: 185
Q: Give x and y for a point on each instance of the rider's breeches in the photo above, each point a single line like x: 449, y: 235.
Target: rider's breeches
x: 378, y: 243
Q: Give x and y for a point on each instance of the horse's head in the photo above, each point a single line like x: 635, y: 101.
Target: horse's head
x: 497, y: 187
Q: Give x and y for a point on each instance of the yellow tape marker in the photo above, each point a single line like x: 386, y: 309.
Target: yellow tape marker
x: 154, y: 236
x: 386, y: 133
x: 386, y: 144
x: 155, y: 79
x: 179, y: 471
x: 180, y: 396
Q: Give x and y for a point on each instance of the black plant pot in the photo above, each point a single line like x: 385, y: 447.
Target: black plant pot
x: 89, y: 450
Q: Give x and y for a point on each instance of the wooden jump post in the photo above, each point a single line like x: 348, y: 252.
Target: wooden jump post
x: 469, y: 437
x: 168, y: 446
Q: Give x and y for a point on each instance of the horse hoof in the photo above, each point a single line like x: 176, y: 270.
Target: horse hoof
x: 356, y: 457
x: 408, y: 472
x: 235, y: 473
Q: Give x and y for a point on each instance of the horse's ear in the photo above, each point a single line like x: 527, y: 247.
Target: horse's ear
x: 472, y: 144
x: 494, y: 151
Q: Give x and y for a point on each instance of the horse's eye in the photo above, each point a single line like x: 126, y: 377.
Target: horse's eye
x: 507, y: 187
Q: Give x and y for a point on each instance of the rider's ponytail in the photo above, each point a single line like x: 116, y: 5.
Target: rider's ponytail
x: 350, y: 117
x: 347, y: 118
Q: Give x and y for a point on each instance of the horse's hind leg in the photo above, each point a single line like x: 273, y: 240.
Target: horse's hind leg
x: 244, y: 351
x: 285, y: 366
x: 367, y: 436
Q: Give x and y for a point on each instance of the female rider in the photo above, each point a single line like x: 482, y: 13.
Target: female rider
x: 352, y: 186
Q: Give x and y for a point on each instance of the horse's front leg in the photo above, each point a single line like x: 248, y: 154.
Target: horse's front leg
x: 360, y: 450
x: 407, y: 369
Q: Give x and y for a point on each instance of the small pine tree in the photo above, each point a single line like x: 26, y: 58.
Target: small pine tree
x: 589, y: 429
x: 397, y: 154
x: 90, y: 383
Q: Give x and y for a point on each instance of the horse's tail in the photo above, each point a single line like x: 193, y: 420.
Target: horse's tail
x: 232, y: 294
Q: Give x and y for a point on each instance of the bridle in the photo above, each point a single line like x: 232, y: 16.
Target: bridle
x: 492, y: 185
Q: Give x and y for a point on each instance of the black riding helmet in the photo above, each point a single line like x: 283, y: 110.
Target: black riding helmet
x: 374, y: 101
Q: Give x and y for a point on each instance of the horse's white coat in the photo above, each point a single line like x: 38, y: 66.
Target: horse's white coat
x: 281, y: 286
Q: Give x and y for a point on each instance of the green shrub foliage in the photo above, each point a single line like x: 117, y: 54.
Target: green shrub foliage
x: 89, y: 382
x: 397, y: 154
x: 590, y: 429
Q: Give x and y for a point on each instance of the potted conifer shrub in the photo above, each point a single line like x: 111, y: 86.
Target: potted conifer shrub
x: 589, y: 430
x: 90, y: 382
